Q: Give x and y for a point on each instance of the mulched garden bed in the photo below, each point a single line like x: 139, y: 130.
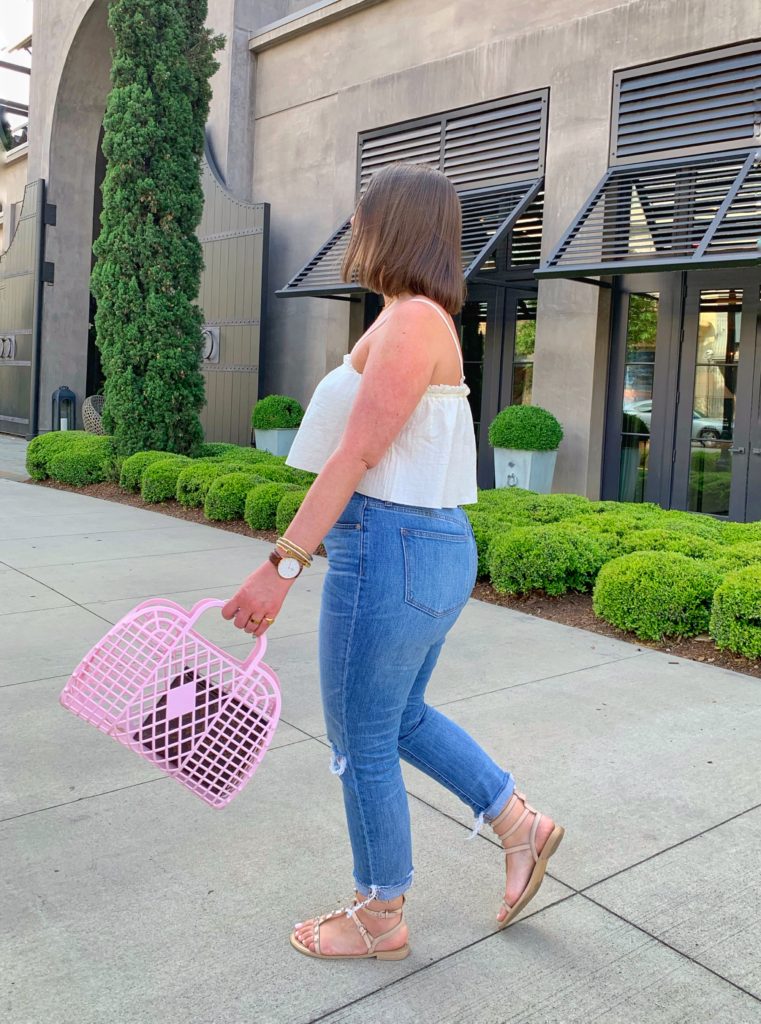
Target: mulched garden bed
x: 569, y: 609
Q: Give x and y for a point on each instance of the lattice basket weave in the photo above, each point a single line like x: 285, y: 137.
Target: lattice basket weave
x: 179, y: 701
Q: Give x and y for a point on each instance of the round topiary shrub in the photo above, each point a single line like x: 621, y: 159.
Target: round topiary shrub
x: 655, y: 594
x: 553, y: 558
x: 276, y: 412
x: 159, y: 479
x: 42, y: 448
x: 279, y: 473
x: 693, y: 523
x: 737, y: 556
x: 260, y: 511
x: 736, y: 612
x: 525, y: 427
x: 247, y: 456
x: 226, y: 497
x: 134, y: 466
x: 485, y: 527
x: 213, y: 449
x: 287, y: 508
x: 741, y: 533
x: 194, y: 481
x: 86, y: 459
x: 670, y: 540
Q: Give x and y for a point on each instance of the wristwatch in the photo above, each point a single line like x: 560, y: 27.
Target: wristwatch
x: 287, y: 567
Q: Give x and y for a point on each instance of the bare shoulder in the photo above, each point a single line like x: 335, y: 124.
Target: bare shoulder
x: 413, y: 322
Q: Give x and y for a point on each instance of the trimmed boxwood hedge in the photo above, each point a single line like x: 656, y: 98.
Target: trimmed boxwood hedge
x: 287, y: 508
x: 85, y: 459
x: 655, y: 594
x: 159, y: 479
x: 41, y: 450
x: 736, y: 612
x: 262, y: 502
x: 194, y: 481
x: 554, y: 558
x: 88, y: 458
x: 670, y: 540
x: 135, y: 465
x: 226, y: 497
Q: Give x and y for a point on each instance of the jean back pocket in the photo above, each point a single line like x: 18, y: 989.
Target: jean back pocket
x: 439, y: 570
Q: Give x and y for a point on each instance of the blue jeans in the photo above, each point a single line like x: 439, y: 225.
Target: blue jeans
x: 398, y: 578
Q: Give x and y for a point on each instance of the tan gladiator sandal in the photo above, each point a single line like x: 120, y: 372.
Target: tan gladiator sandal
x: 370, y: 942
x: 540, y: 859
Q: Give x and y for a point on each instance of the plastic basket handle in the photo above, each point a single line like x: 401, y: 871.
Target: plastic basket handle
x: 214, y: 602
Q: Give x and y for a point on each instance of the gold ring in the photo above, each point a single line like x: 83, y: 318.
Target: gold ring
x: 251, y: 619
x: 269, y: 619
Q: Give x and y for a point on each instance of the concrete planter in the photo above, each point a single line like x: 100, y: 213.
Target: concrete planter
x: 277, y: 441
x: 532, y: 471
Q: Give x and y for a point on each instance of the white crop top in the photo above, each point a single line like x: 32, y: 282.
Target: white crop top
x: 431, y: 462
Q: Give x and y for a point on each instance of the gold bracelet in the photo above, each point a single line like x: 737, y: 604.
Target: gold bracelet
x: 294, y: 549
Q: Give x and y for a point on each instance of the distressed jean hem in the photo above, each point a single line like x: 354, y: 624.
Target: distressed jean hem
x: 383, y: 892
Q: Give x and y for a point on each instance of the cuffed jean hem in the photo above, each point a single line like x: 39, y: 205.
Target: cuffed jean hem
x: 383, y: 892
x: 498, y: 804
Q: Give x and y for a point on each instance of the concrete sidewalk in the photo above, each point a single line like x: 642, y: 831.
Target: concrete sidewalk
x: 125, y: 899
x: 13, y: 457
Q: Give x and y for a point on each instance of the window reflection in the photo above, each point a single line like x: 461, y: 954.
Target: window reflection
x: 525, y: 343
x: 472, y: 339
x: 714, y: 401
x: 639, y: 371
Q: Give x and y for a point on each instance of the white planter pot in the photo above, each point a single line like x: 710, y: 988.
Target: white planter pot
x: 532, y: 471
x: 278, y: 441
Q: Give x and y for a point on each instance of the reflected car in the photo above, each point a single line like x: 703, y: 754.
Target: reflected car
x: 704, y: 428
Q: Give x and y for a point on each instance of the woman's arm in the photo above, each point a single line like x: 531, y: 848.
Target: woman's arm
x: 399, y: 367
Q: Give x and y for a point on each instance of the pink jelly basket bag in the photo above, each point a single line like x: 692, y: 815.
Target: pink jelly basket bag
x: 179, y: 701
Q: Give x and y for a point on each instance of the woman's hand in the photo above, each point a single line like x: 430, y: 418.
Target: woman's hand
x: 256, y: 603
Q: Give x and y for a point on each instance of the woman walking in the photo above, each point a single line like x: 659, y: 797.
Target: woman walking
x: 390, y: 435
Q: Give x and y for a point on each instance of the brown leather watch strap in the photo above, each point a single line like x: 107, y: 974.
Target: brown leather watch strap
x: 276, y: 558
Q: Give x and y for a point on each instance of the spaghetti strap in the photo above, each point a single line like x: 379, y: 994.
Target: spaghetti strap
x: 440, y: 311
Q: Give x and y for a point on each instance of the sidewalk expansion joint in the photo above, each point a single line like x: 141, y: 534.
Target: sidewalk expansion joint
x: 132, y: 785
x: 668, y: 945
x: 543, y: 679
x: 667, y: 849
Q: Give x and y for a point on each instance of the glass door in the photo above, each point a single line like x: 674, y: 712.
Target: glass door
x: 481, y: 337
x: 717, y: 452
x: 497, y: 333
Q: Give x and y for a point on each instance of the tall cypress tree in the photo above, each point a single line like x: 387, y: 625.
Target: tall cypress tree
x: 148, y: 258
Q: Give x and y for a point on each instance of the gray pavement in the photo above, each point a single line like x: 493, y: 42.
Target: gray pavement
x: 125, y: 899
x: 13, y: 458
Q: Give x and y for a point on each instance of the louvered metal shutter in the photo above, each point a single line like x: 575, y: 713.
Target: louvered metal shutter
x: 691, y: 105
x: 487, y: 217
x: 672, y: 215
x: 489, y: 144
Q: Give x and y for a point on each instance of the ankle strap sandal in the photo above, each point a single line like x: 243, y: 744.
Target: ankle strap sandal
x: 541, y: 857
x: 371, y: 942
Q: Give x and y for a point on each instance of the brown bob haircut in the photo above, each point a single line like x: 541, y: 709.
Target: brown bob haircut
x: 406, y: 236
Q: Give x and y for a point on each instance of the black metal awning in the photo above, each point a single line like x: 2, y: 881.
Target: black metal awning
x: 672, y: 215
x: 487, y: 216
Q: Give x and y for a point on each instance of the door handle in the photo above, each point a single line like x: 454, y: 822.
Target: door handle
x: 757, y: 451
x: 736, y: 451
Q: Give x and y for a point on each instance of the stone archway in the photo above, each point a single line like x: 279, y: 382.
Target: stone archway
x: 72, y: 172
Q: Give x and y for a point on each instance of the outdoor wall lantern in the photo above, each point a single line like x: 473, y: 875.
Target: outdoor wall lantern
x: 64, y: 409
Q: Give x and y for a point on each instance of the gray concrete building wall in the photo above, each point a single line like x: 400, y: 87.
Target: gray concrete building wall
x: 394, y: 60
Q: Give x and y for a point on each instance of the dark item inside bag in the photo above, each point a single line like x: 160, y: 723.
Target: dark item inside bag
x: 214, y: 742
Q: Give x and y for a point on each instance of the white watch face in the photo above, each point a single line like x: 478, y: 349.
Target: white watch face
x: 288, y: 568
